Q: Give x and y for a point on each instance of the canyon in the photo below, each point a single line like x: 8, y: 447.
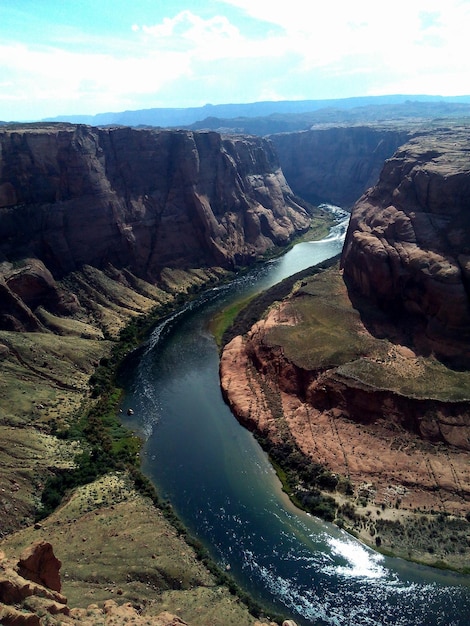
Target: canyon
x: 364, y: 367
x: 338, y: 163
x: 102, y: 228
x: 74, y: 196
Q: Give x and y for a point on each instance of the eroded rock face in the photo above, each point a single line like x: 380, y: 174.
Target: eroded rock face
x: 336, y: 164
x: 141, y: 199
x: 407, y: 249
x: 39, y: 564
x: 362, y: 407
x: 29, y: 596
x: 75, y: 194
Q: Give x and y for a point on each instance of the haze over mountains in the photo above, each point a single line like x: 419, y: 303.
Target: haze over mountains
x: 269, y: 116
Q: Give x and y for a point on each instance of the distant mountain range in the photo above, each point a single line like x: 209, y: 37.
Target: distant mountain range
x: 280, y: 113
x: 264, y: 118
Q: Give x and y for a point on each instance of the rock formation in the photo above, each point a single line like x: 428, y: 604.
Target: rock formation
x: 26, y: 602
x: 407, y: 249
x: 38, y: 563
x: 345, y: 367
x: 29, y: 596
x: 336, y: 164
x: 143, y: 200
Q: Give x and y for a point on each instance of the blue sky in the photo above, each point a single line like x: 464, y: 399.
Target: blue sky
x: 60, y: 57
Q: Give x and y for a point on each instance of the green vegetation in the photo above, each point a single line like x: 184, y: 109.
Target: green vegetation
x: 326, y: 336
x: 427, y: 533
x: 256, y: 306
x: 322, y: 222
x: 107, y: 446
x: 302, y: 480
x: 431, y: 379
x: 245, y: 312
x: 329, y: 334
x: 224, y: 319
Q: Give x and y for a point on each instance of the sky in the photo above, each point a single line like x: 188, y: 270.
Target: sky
x: 68, y: 57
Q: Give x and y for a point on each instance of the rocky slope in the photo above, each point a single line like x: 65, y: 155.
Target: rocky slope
x: 108, y: 556
x: 103, y: 230
x: 362, y: 420
x: 72, y: 196
x: 99, y: 227
x: 407, y: 249
x: 30, y: 595
x: 337, y: 164
x: 345, y: 367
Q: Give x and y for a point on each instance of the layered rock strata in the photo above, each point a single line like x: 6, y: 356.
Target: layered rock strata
x: 407, y: 250
x: 337, y: 164
x: 367, y: 410
x: 357, y: 367
x: 74, y: 196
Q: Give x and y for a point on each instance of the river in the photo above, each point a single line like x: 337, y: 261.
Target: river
x: 223, y: 488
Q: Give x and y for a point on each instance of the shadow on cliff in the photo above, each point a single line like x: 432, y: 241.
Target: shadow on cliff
x: 384, y: 321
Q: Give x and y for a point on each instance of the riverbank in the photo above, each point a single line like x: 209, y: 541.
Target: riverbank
x: 378, y: 479
x: 99, y: 490
x: 79, y: 470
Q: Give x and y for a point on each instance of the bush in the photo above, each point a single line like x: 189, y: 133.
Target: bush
x: 317, y: 504
x: 327, y: 480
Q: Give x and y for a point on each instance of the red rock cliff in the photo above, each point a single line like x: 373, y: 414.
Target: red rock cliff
x: 407, y: 249
x: 73, y: 195
x: 336, y: 164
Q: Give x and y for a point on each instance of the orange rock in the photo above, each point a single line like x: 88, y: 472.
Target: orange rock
x: 39, y: 564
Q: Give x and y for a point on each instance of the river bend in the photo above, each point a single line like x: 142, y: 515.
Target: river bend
x: 223, y: 488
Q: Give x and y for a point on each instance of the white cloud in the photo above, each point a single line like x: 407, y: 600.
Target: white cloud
x: 96, y: 81
x: 296, y: 49
x: 206, y: 39
x: 411, y: 37
x: 203, y: 39
x: 194, y: 29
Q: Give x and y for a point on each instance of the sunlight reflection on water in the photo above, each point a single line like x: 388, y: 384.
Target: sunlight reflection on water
x: 222, y: 486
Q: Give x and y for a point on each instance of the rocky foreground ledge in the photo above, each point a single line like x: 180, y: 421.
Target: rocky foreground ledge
x: 30, y: 595
x: 348, y: 380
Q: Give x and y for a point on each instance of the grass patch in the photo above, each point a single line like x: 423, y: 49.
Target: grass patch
x: 326, y: 336
x: 225, y: 318
x: 432, y: 535
x: 253, y: 311
x: 329, y: 333
x: 433, y: 381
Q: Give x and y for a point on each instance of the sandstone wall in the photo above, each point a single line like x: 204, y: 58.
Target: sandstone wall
x: 73, y: 195
x: 407, y: 249
x: 336, y: 164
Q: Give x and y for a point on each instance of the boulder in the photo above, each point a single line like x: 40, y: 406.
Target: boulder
x: 39, y: 564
